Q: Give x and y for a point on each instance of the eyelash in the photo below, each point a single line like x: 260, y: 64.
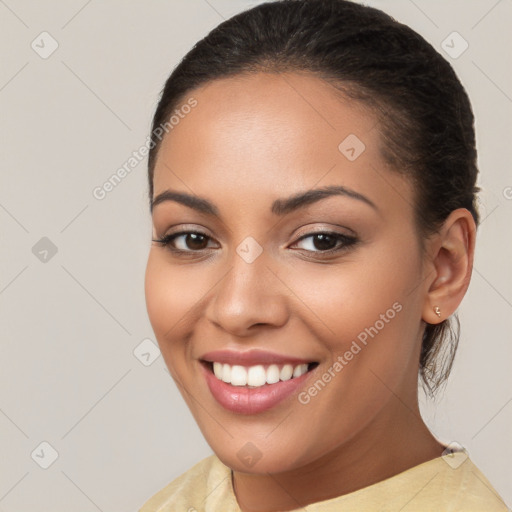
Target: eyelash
x: 347, y: 241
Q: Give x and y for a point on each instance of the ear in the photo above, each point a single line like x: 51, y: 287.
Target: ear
x: 451, y: 254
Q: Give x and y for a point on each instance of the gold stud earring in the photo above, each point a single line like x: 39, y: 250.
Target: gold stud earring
x: 437, y: 311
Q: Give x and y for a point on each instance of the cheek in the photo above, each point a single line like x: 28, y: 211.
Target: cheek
x: 364, y: 312
x: 364, y: 317
x: 348, y: 297
x: 173, y: 296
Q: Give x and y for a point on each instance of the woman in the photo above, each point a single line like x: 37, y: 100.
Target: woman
x: 312, y: 186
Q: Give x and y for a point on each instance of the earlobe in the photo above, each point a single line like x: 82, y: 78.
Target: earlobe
x: 452, y: 258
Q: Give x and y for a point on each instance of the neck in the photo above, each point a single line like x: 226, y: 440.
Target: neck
x: 395, y: 441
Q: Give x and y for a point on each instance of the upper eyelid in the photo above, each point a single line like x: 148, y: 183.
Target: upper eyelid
x: 184, y: 231
x: 190, y: 228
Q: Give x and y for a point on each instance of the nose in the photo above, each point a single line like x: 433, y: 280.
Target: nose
x: 249, y: 295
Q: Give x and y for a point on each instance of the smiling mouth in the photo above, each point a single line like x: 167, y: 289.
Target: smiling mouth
x: 259, y: 375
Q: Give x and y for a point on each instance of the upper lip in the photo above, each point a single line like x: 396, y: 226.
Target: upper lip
x: 251, y: 357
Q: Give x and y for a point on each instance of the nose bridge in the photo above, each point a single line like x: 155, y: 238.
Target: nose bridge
x: 249, y: 293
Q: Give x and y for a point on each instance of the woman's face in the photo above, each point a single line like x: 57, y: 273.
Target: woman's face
x: 336, y: 280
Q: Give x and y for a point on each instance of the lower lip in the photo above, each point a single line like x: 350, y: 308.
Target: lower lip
x: 245, y: 400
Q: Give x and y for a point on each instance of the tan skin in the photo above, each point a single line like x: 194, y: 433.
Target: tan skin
x: 249, y: 141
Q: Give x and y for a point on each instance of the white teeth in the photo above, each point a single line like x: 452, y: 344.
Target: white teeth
x: 238, y: 376
x: 286, y: 372
x: 217, y: 370
x: 226, y: 373
x: 256, y: 376
x: 299, y: 370
x: 272, y: 374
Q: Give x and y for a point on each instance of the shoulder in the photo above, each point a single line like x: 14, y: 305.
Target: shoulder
x: 451, y: 483
x: 465, y: 486
x: 208, y: 480
x: 448, y: 484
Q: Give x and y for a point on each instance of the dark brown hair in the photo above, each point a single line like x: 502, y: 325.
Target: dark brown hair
x: 425, y: 116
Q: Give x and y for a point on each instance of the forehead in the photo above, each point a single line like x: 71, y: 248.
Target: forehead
x: 272, y: 134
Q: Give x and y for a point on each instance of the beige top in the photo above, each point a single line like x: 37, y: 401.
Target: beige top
x: 446, y: 484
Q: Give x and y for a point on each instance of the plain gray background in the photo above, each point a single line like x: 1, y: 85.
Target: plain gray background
x: 72, y: 322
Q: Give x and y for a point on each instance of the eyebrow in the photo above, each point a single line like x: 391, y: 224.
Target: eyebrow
x: 279, y: 206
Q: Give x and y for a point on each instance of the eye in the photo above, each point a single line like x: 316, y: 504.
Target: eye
x: 185, y: 241
x: 322, y: 242
x: 326, y: 242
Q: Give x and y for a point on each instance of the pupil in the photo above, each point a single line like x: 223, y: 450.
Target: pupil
x: 325, y: 242
x: 196, y: 244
